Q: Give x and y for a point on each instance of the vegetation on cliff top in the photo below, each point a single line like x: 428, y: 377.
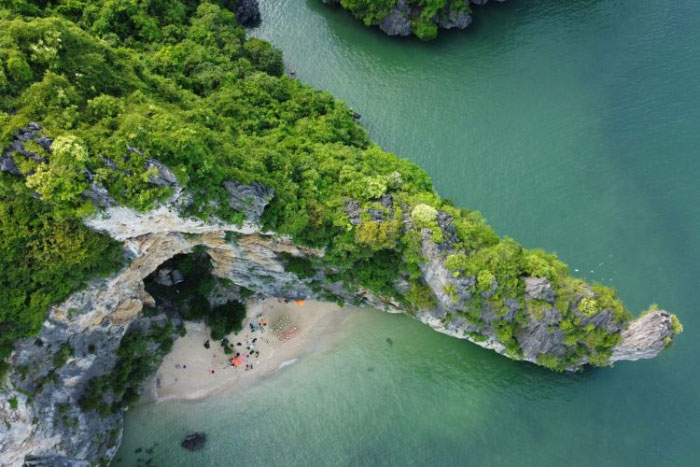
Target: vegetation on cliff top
x: 117, y: 84
x: 423, y: 23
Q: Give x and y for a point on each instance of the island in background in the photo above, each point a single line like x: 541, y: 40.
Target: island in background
x: 422, y: 18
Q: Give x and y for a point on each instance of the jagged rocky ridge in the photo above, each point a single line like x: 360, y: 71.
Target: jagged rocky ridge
x: 400, y: 20
x: 48, y: 426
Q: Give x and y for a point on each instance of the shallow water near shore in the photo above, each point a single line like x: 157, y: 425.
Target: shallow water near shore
x: 572, y: 126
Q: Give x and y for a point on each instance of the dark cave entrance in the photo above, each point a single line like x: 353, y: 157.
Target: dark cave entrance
x: 184, y: 285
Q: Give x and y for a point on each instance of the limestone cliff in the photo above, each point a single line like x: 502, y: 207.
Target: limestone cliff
x: 48, y: 426
x: 403, y: 18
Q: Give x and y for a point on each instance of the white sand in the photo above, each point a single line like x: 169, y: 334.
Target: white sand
x: 186, y: 373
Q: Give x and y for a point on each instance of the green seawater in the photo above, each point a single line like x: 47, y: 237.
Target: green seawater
x: 572, y: 126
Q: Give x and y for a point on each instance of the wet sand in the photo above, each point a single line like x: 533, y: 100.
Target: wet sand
x: 192, y: 371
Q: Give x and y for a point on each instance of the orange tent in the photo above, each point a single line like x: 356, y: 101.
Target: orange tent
x: 238, y: 361
x: 299, y: 302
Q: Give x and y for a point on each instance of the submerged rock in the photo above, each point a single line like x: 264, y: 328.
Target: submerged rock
x: 194, y: 442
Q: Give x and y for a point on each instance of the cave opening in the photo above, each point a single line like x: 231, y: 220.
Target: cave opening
x: 185, y: 285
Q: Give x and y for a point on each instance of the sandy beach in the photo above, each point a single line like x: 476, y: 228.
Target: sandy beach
x: 281, y: 333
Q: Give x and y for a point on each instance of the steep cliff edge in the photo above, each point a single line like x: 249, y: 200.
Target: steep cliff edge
x: 405, y: 17
x: 48, y: 425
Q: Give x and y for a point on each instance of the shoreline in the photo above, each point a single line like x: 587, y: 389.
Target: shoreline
x: 192, y: 372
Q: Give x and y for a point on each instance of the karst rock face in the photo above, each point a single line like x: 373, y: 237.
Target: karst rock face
x: 398, y: 22
x: 49, y: 428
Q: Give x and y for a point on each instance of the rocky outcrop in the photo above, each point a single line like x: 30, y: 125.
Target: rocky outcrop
x: 454, y: 19
x: 249, y: 199
x: 159, y: 174
x: 540, y: 334
x: 17, y: 148
x: 247, y: 12
x: 645, y: 337
x: 7, y: 164
x: 44, y: 422
x: 539, y: 288
x: 398, y: 21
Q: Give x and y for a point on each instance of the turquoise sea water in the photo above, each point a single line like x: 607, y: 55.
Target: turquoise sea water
x: 571, y: 125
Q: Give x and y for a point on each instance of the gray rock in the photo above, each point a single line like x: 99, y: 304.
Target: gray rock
x: 134, y: 150
x: 535, y: 338
x: 165, y: 176
x: 109, y: 163
x: 249, y: 199
x: 247, y: 12
x: 352, y: 209
x: 513, y: 306
x: 645, y: 337
x: 7, y: 164
x: 449, y: 232
x: 18, y: 146
x: 539, y: 288
x: 454, y: 19
x: 99, y: 195
x: 603, y: 319
x: 387, y: 202
x: 376, y: 215
x: 44, y: 142
x: 398, y: 22
x: 490, y: 293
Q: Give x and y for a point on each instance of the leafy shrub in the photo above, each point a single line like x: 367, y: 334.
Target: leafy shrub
x: 225, y: 319
x: 423, y: 215
x: 61, y: 357
x: 302, y: 267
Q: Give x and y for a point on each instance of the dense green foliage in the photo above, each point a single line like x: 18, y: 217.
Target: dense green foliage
x: 137, y: 360
x: 44, y: 256
x: 117, y: 83
x: 225, y: 319
x: 424, y: 16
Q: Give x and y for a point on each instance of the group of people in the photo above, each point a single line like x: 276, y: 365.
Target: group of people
x: 283, y: 328
x: 257, y: 324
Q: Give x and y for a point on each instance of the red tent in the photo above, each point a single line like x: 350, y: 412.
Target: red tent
x: 238, y: 361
